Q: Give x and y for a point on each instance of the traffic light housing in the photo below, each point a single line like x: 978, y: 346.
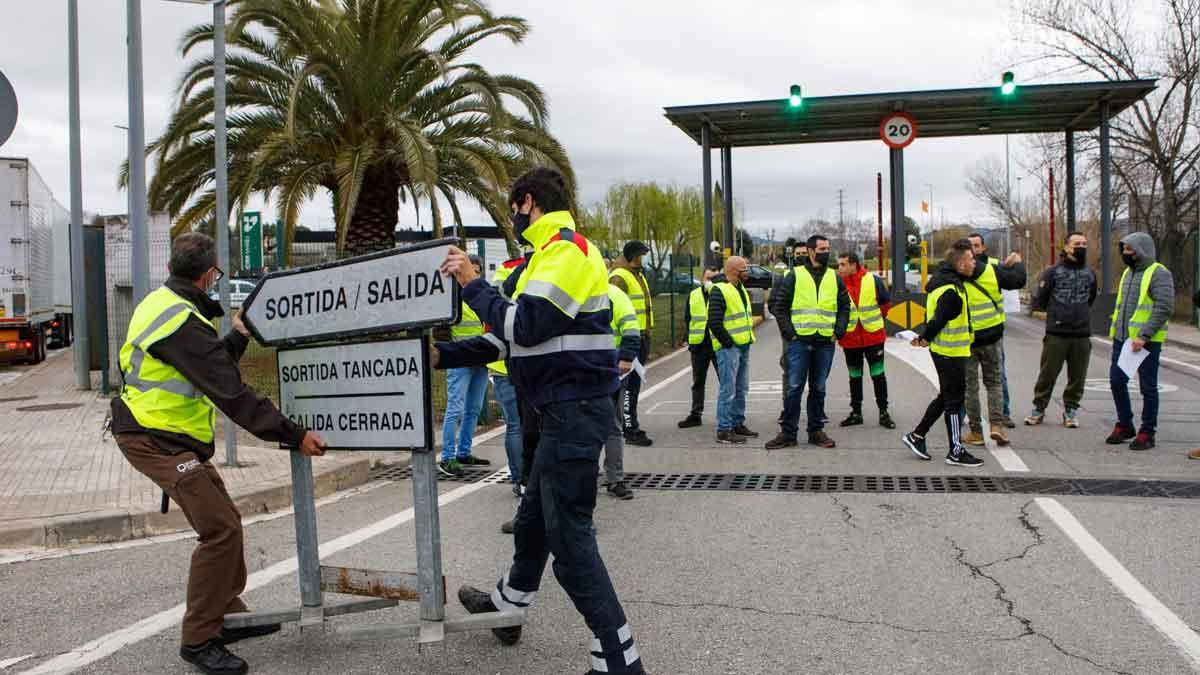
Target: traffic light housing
x: 796, y: 99
x: 1008, y: 85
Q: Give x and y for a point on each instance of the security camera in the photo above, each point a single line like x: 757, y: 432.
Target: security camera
x: 912, y: 240
x: 715, y: 247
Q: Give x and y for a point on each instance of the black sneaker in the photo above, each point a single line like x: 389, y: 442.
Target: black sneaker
x: 729, y: 437
x: 229, y: 636
x: 212, y: 657
x: 885, y: 419
x: 507, y: 526
x: 472, y: 460
x: 854, y: 419
x: 620, y: 491
x: 782, y: 440
x: 638, y: 438
x: 477, y: 602
x: 690, y: 421
x: 917, y: 445
x: 742, y: 430
x: 451, y: 469
x: 517, y: 490
x: 960, y: 457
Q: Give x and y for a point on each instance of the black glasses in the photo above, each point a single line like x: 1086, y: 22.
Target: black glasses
x: 220, y: 274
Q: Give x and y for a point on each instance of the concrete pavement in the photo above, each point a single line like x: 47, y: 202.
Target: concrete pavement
x: 725, y: 582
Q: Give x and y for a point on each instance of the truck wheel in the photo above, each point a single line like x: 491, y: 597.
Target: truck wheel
x: 39, y: 347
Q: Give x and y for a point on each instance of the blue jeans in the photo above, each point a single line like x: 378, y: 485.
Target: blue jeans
x: 506, y: 394
x: 733, y: 371
x: 555, y: 518
x: 808, y: 362
x: 465, y: 389
x: 1147, y: 381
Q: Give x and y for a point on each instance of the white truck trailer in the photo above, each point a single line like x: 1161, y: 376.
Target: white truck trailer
x: 35, y: 281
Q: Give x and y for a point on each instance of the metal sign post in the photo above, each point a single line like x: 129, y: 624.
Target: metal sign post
x: 363, y: 394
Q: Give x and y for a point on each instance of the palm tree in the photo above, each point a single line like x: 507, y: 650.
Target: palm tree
x: 370, y: 100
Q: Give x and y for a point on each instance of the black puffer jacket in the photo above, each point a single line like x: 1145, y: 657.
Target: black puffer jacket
x: 1066, y: 293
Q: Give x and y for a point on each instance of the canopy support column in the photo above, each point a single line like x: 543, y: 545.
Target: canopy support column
x: 727, y: 194
x: 706, y: 162
x: 1070, y: 181
x: 1106, y: 243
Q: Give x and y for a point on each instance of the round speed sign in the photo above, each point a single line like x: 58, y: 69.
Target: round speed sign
x: 898, y: 130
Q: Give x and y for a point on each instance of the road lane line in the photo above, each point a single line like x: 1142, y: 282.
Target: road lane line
x: 113, y: 642
x: 1006, y: 457
x: 1159, y: 615
x: 8, y: 663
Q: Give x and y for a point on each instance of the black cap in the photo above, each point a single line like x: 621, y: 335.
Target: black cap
x: 635, y: 248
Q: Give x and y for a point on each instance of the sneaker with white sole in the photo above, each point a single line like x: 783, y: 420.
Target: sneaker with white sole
x: 960, y: 457
x: 1071, y: 419
x: 1036, y: 417
x: 916, y: 444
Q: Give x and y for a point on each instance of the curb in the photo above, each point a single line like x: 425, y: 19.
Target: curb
x: 113, y: 525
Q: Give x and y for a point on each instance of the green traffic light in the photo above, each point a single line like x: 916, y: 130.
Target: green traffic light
x: 1007, y: 85
x: 796, y: 99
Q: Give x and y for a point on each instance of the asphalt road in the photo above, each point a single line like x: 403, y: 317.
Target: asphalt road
x: 733, y: 582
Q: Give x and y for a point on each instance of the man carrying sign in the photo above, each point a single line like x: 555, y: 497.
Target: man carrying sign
x: 558, y: 338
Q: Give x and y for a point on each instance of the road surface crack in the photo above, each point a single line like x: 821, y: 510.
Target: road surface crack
x: 1010, y: 605
x: 847, y: 515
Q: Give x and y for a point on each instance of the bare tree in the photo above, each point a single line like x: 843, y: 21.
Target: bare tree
x: 1155, y: 145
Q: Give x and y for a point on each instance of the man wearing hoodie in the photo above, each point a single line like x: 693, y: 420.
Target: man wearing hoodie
x: 820, y: 312
x: 1145, y: 301
x: 626, y: 275
x: 869, y: 303
x: 699, y: 340
x: 987, y: 323
x: 1066, y: 293
x: 948, y: 335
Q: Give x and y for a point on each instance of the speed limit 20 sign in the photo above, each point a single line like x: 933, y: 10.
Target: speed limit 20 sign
x: 898, y: 130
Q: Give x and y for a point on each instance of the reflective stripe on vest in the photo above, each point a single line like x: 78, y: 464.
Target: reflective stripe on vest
x: 636, y: 290
x: 956, y: 337
x: 738, y: 321
x: 987, y: 306
x: 157, y: 394
x: 698, y: 309
x: 866, y: 310
x: 1145, y: 306
x: 624, y: 319
x: 468, y: 326
x: 814, y: 312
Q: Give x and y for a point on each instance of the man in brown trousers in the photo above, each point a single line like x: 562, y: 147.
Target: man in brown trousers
x: 175, y: 371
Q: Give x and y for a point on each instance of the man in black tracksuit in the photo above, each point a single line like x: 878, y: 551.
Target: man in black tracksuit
x: 1066, y: 293
x: 701, y: 352
x: 951, y: 368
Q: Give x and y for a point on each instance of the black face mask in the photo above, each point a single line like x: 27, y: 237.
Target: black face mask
x: 822, y: 259
x: 520, y: 223
x: 1129, y: 258
x: 1080, y: 254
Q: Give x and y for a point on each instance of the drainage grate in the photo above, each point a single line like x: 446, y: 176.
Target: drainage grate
x: 47, y: 407
x: 759, y: 482
x: 388, y: 472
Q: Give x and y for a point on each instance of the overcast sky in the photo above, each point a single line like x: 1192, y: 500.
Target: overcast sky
x: 608, y: 68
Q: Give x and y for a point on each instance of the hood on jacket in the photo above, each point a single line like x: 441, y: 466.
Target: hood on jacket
x: 945, y: 275
x: 1143, y: 245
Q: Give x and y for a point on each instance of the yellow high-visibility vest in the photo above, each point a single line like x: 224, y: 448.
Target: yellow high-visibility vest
x: 814, y: 312
x: 866, y: 310
x: 738, y: 321
x: 987, y: 305
x: 956, y: 338
x: 636, y: 285
x: 1145, y: 305
x: 624, y: 317
x: 157, y: 394
x: 698, y: 309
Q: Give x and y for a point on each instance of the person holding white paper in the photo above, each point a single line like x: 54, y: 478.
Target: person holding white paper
x: 1145, y: 301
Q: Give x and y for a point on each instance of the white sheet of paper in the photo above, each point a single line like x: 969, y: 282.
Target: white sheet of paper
x: 639, y: 369
x: 907, y: 335
x: 1012, y: 302
x: 1129, y: 360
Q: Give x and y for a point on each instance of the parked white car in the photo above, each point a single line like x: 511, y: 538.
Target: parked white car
x: 239, y: 290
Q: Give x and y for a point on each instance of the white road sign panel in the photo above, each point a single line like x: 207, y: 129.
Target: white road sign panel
x: 359, y: 396
x: 376, y: 293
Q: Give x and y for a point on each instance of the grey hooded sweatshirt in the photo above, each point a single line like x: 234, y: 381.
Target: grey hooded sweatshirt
x: 1162, y: 289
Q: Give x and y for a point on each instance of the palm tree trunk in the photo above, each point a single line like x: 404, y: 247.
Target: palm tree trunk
x: 373, y: 225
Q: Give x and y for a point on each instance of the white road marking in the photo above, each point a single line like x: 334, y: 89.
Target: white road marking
x: 1164, y: 359
x: 113, y: 642
x: 8, y: 663
x: 1159, y: 615
x: 915, y: 357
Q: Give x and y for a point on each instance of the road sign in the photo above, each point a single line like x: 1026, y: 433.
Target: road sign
x: 377, y: 293
x: 360, y: 395
x: 252, y: 240
x: 8, y: 109
x: 898, y: 130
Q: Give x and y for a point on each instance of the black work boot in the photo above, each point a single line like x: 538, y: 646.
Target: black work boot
x: 477, y: 602
x: 229, y: 636
x: 212, y: 657
x: 690, y: 421
x: 885, y: 419
x: 854, y: 419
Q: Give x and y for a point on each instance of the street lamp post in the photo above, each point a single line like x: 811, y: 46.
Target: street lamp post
x: 139, y: 235
x: 79, y: 306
